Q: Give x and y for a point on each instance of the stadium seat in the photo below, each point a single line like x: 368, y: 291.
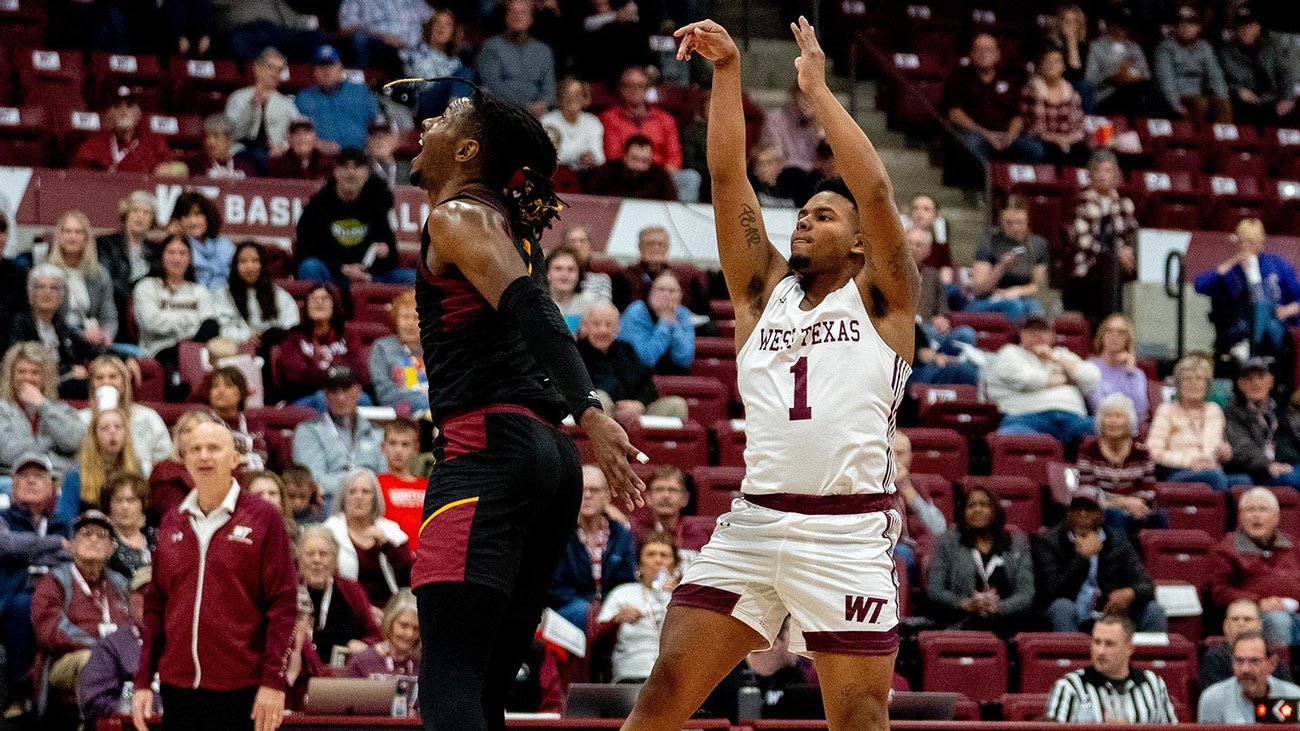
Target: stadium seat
x: 170, y: 412
x: 715, y: 487
x: 706, y: 398
x: 937, y: 490
x: 1025, y: 455
x: 685, y: 448
x: 152, y: 378
x: 370, y: 301
x: 23, y: 24
x: 1072, y: 332
x: 730, y: 434
x: 183, y: 132
x: 927, y: 394
x: 366, y: 332
x: 1021, y: 498
x: 1177, y: 555
x: 51, y: 78
x: 722, y: 309
x: 1288, y: 500
x: 992, y: 329
x: 974, y: 419
x: 1193, y: 506
x: 203, y: 85
x: 280, y: 422
x: 716, y: 357
x: 143, y: 73
x: 971, y: 663
x: 1046, y: 656
x: 1175, y: 663
x: 938, y: 452
x: 297, y: 288
x: 24, y: 136
x: 1024, y: 706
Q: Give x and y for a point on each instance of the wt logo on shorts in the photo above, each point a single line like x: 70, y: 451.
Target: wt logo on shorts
x: 856, y: 608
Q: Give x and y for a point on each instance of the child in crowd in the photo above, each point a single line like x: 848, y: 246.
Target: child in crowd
x: 403, y: 493
x: 303, y: 495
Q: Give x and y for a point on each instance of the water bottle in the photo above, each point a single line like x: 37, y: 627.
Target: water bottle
x: 401, y: 704
x: 124, y: 701
x: 661, y: 580
x: 749, y: 699
x: 156, y: 687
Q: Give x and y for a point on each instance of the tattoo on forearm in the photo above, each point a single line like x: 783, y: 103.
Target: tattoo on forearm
x: 748, y: 219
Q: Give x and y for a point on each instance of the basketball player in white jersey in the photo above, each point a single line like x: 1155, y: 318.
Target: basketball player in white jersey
x: 824, y: 345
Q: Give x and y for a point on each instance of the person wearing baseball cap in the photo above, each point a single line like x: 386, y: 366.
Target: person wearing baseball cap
x: 1085, y: 572
x: 124, y: 142
x: 1188, y: 73
x: 1264, y: 443
x: 340, y: 109
x: 114, y: 659
x: 1256, y: 69
x: 340, y: 440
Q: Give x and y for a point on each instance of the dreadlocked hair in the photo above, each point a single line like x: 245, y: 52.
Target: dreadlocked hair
x: 519, y: 160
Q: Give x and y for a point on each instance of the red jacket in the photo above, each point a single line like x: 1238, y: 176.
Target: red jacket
x: 304, y: 361
x: 146, y: 152
x: 1240, y: 569
x: 169, y: 483
x: 659, y: 126
x: 66, y: 618
x: 245, y: 594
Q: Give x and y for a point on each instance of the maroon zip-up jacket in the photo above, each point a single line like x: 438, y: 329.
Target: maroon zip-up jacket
x: 224, y: 620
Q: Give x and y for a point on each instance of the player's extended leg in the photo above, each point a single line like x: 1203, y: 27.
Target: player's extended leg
x: 698, y: 647
x: 855, y: 690
x: 458, y: 626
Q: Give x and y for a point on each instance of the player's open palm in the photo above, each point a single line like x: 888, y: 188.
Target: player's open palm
x: 708, y: 39
x: 811, y: 63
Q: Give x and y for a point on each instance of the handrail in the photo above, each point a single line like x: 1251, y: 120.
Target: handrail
x: 1174, y: 290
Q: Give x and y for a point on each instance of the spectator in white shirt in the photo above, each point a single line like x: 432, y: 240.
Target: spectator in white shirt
x: 582, y: 136
x: 635, y: 611
x: 1040, y: 388
x: 260, y: 113
x: 1233, y: 701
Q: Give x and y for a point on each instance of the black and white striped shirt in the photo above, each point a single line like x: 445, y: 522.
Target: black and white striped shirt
x: 1087, y: 696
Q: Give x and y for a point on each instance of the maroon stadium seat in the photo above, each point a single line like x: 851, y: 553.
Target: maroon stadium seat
x: 1024, y: 706
x: 23, y: 24
x: 937, y: 490
x: 1193, y: 506
x: 1175, y: 663
x: 715, y: 487
x: 971, y: 663
x: 716, y: 357
x: 993, y: 329
x: 170, y: 412
x: 24, y: 136
x: 1020, y: 496
x: 152, y: 378
x: 706, y: 397
x: 968, y: 418
x: 367, y: 332
x: 143, y: 73
x: 1178, y: 555
x: 52, y: 78
x: 1072, y: 331
x: 1046, y: 656
x: 938, y: 452
x: 203, y: 85
x: 371, y: 300
x: 684, y: 448
x: 927, y: 394
x: 1025, y: 455
x: 731, y: 443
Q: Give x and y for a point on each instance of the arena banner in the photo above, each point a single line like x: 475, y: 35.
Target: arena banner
x: 269, y: 209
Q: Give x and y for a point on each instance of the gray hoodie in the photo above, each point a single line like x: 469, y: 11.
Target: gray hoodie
x: 1188, y: 71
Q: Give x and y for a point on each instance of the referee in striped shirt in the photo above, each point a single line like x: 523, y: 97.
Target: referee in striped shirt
x: 1109, y: 690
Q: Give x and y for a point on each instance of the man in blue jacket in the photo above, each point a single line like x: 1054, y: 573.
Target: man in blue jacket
x: 600, y: 555
x: 340, y: 109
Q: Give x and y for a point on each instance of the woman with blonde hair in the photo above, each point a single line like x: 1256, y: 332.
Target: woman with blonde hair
x: 399, y: 653
x: 43, y: 321
x: 128, y: 254
x: 32, y: 418
x: 107, y: 450
x: 111, y: 387
x: 89, y: 304
x: 1115, y: 356
x: 1186, y: 439
x: 373, y: 550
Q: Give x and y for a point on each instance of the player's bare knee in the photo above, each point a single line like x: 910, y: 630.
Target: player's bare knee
x: 857, y: 709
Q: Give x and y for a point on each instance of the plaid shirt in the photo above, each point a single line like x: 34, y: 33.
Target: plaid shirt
x: 1092, y: 212
x: 1043, y: 117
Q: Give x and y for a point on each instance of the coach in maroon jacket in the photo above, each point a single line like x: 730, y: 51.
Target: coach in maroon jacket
x: 219, y: 618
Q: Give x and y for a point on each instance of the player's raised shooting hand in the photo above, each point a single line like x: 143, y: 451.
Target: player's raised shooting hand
x: 708, y: 39
x: 612, y: 449
x: 811, y: 63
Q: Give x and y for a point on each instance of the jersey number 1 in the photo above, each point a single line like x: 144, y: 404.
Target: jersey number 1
x: 801, y: 411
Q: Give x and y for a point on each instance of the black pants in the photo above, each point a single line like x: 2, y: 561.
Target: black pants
x: 189, y: 709
x: 500, y: 507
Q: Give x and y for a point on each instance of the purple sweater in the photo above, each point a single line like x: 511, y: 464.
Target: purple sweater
x: 372, y: 662
x: 1117, y: 380
x: 113, y: 662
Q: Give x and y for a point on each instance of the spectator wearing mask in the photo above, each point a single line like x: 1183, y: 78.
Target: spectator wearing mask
x: 1109, y: 689
x: 170, y: 306
x: 381, y: 148
x: 1234, y: 701
x: 303, y: 160
x: 1053, y: 112
x: 79, y: 603
x: 341, y: 440
x: 660, y: 328
x: 341, y: 613
x: 1264, y: 443
x: 932, y: 311
x: 582, y: 136
x: 1116, y: 360
x: 653, y: 245
x: 624, y: 384
x: 373, y: 550
x: 1240, y: 618
x: 1122, y: 470
x: 149, y: 432
x: 667, y: 496
x: 564, y: 285
x: 343, y: 233
x: 981, y: 576
x: 106, y: 450
x: 259, y: 114
x: 220, y: 636
x: 1010, y: 266
x: 633, y: 175
x: 403, y: 492
x: 981, y: 100
x: 318, y: 343
x: 1255, y: 297
x: 399, y: 652
x: 1259, y: 562
x: 1188, y: 73
x: 227, y: 390
x: 32, y: 417
x: 635, y: 611
x: 1040, y: 388
x: 251, y: 309
x: 597, y: 284
x: 339, y: 109
x: 1086, y: 573
x: 1259, y: 73
x: 123, y: 500
x: 380, y: 30
x: 32, y: 542
x: 600, y: 555
x: 397, y: 361
x: 43, y: 322
x: 793, y: 131
x: 128, y: 255
x: 88, y: 304
x: 1103, y: 223
x: 1187, y: 434
x: 196, y: 217
x: 114, y: 660
x: 126, y: 145
x: 222, y: 157
x: 1117, y: 68
x: 517, y: 67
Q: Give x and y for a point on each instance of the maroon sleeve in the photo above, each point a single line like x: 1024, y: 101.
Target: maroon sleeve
x: 358, y: 358
x: 151, y: 628
x: 400, y: 558
x: 360, y: 604
x: 280, y: 589
x: 1224, y: 575
x: 48, y: 616
x: 296, y: 367
x: 89, y: 155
